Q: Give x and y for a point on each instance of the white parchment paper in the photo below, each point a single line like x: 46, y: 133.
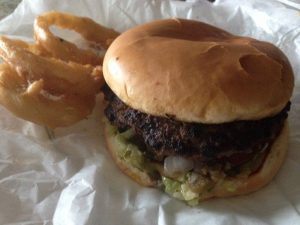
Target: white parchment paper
x: 72, y: 180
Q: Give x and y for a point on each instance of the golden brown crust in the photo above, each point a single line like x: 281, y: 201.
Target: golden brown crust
x: 197, y: 72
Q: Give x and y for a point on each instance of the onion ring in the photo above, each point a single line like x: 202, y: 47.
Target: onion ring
x: 65, y: 50
x: 35, y: 49
x: 53, y: 82
x: 84, y: 79
x: 44, y: 90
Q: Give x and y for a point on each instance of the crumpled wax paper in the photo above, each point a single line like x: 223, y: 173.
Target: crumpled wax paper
x: 66, y: 177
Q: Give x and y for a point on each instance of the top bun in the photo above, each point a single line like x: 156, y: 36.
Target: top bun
x: 197, y: 73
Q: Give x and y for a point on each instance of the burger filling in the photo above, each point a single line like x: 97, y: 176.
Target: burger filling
x: 191, y: 156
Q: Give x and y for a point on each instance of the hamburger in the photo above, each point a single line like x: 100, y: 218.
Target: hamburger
x: 195, y: 110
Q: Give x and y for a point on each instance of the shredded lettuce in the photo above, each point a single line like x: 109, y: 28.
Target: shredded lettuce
x: 172, y: 187
x: 179, y: 188
x: 130, y: 153
x: 126, y: 151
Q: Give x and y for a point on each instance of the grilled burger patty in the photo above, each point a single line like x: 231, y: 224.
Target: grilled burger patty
x: 226, y: 145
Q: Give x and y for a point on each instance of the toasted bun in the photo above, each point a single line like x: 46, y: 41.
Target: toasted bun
x: 242, y: 185
x: 197, y: 72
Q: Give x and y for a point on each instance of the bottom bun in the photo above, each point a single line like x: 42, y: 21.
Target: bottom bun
x: 133, y: 163
x: 267, y: 172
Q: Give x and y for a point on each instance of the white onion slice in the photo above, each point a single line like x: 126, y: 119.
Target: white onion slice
x: 174, y: 165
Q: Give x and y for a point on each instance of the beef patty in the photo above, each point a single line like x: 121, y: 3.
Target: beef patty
x: 228, y: 145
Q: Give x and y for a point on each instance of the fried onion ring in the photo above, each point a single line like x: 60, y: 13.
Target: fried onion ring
x: 44, y: 90
x: 83, y: 79
x: 65, y: 50
x: 53, y: 82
